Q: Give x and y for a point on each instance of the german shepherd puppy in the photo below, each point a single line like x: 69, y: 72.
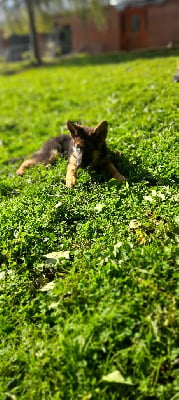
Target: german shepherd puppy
x: 84, y: 147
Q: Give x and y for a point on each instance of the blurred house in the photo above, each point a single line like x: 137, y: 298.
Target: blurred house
x: 129, y: 25
x: 126, y: 25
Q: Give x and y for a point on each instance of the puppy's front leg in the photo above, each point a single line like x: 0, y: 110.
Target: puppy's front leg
x: 72, y: 168
x: 114, y: 172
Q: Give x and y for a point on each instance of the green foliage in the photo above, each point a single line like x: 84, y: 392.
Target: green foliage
x: 88, y: 276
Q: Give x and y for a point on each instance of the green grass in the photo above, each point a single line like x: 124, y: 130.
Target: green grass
x: 107, y: 302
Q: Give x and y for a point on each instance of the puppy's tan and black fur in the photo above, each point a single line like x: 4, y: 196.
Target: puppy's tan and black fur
x: 84, y: 147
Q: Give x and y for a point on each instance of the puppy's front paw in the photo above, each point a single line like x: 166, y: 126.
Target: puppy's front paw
x: 70, y: 182
x: 19, y: 172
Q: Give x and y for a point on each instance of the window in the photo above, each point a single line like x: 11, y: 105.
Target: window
x: 135, y: 23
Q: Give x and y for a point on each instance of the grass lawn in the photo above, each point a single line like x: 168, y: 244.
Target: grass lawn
x: 97, y: 318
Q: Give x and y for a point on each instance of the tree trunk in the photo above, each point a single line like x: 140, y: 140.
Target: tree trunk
x: 33, y: 32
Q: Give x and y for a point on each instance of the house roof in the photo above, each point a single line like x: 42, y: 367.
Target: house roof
x: 123, y: 4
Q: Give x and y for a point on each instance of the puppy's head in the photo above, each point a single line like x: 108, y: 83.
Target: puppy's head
x: 87, y: 140
x: 81, y: 134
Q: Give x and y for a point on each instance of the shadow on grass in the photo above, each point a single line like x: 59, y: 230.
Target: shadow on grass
x: 87, y: 59
x: 114, y: 58
x: 134, y: 173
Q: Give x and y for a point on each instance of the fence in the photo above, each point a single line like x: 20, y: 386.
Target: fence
x: 18, y: 48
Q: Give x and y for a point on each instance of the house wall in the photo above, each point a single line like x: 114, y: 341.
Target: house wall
x: 86, y: 36
x: 163, y: 24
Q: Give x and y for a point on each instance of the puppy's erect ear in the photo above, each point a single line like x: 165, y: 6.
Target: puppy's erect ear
x: 73, y: 128
x: 101, y: 129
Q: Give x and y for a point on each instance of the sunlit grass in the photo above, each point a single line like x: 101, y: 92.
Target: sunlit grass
x: 106, y: 302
